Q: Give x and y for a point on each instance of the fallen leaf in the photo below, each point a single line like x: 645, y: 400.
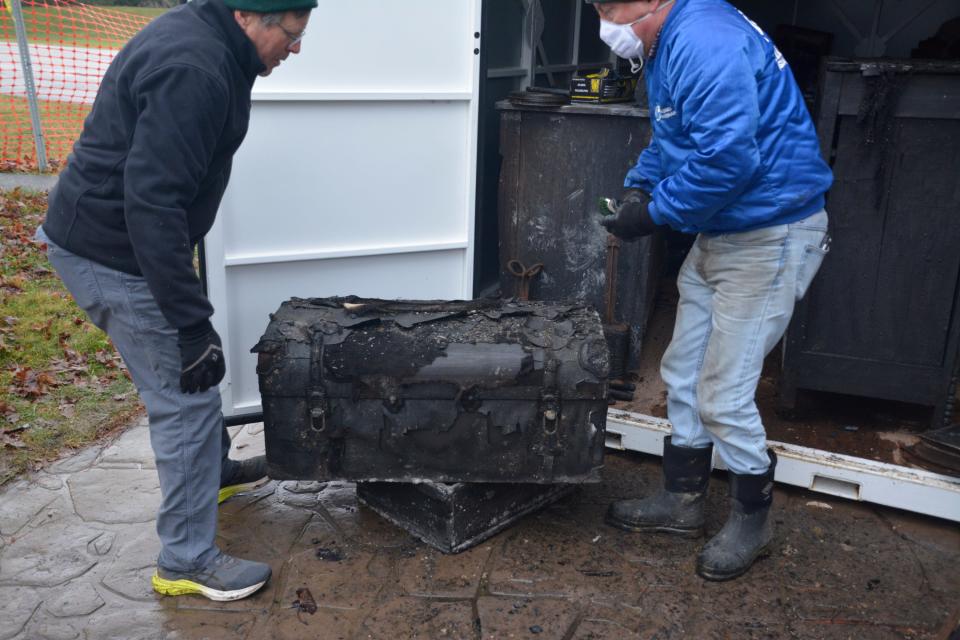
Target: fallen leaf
x: 73, y: 359
x: 11, y: 284
x: 9, y: 441
x: 27, y: 383
x: 44, y: 329
x: 17, y: 283
x: 106, y: 358
x: 11, y: 418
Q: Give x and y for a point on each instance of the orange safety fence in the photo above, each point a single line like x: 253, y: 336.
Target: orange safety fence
x: 70, y: 44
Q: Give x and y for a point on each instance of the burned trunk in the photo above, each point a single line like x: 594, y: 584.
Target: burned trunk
x: 482, y: 391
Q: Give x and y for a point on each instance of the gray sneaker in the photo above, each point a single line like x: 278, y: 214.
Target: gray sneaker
x: 225, y: 578
x: 242, y: 475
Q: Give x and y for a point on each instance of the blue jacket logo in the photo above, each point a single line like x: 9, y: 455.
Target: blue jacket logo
x: 781, y: 61
x: 662, y: 113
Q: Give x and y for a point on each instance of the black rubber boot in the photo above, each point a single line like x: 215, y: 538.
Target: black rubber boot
x: 747, y: 534
x: 678, y: 506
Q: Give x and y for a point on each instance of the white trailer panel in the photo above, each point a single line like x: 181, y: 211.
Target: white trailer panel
x: 358, y: 175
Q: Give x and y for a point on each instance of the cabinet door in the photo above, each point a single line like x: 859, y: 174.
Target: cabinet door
x: 881, y: 319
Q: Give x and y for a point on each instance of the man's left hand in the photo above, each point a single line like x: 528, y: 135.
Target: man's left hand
x: 201, y: 358
x: 632, y: 220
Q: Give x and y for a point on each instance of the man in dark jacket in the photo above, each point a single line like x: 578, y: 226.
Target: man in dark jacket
x: 140, y: 190
x: 734, y: 158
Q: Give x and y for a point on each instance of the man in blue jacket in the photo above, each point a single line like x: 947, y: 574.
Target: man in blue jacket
x: 734, y: 158
x: 139, y: 191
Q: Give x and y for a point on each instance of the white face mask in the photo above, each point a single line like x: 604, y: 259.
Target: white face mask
x: 624, y: 42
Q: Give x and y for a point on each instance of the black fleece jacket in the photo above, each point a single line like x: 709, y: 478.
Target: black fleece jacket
x: 147, y: 174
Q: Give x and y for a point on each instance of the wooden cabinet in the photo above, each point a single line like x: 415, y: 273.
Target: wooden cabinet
x: 882, y: 318
x: 557, y: 163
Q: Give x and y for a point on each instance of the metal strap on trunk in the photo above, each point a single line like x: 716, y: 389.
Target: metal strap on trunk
x: 317, y: 403
x: 550, y: 398
x: 318, y: 406
x: 550, y: 416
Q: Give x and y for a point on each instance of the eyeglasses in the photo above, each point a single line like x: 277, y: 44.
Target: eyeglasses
x: 294, y: 38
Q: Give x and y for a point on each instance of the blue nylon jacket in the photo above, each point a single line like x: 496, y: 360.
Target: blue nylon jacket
x: 733, y: 145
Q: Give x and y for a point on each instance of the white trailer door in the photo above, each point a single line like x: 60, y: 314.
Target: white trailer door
x: 357, y: 175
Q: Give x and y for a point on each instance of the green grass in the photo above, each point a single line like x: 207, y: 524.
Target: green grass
x: 83, y: 27
x: 62, y: 385
x: 66, y: 118
x: 150, y: 12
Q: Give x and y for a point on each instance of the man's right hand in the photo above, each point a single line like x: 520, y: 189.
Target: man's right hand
x: 632, y: 219
x: 201, y: 358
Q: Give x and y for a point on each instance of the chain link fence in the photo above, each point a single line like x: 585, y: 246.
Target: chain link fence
x: 53, y: 54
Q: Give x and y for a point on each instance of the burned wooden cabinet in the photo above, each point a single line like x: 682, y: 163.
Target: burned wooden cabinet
x: 882, y: 318
x: 557, y: 163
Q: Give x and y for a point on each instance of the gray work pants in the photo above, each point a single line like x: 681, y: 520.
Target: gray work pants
x: 187, y: 431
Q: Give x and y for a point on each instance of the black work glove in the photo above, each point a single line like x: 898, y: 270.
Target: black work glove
x: 620, y: 390
x: 201, y: 358
x: 632, y: 216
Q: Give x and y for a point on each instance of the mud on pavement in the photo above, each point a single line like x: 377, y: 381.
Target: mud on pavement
x: 77, y: 547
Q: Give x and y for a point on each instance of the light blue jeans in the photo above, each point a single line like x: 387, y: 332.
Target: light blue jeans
x: 187, y: 432
x: 737, y: 294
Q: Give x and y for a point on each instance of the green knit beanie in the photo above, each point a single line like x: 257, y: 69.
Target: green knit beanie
x: 270, y: 6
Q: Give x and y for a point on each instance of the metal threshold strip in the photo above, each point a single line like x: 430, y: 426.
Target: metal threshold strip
x: 816, y: 470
